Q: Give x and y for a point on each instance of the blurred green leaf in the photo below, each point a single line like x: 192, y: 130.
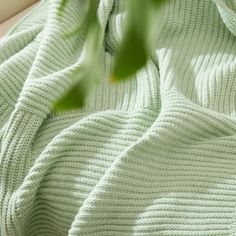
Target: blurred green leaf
x: 92, y: 12
x: 75, y: 96
x: 63, y: 4
x: 132, y: 55
x: 137, y: 42
x: 135, y: 49
x: 157, y: 3
x: 90, y: 70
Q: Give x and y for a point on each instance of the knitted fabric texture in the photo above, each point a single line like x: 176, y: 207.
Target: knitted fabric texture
x: 154, y: 155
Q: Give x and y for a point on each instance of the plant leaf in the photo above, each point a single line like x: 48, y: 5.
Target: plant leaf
x: 132, y: 56
x: 157, y: 3
x: 75, y: 97
x: 63, y: 4
x: 133, y: 52
x: 85, y: 77
x: 138, y: 39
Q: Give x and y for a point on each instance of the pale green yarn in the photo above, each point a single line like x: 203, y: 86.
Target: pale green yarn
x: 155, y: 155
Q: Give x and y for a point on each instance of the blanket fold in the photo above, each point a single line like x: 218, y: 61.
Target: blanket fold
x: 154, y: 155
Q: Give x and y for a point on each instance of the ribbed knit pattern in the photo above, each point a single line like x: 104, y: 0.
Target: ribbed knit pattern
x: 154, y: 155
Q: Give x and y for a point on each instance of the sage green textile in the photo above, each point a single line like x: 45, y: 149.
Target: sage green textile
x: 155, y: 155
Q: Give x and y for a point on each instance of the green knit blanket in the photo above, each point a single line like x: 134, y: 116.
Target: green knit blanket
x: 154, y: 155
